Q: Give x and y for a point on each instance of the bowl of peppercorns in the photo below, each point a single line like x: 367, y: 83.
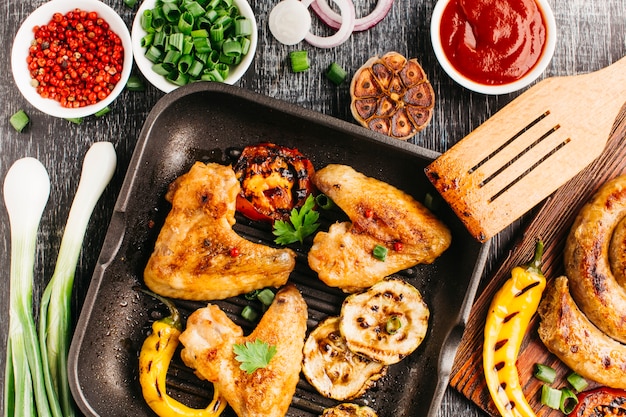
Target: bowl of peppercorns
x: 72, y: 59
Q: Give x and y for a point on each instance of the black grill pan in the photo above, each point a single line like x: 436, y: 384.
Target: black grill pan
x: 211, y: 122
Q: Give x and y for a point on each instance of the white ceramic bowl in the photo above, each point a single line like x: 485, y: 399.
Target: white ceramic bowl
x: 159, y: 81
x: 528, y: 78
x: 24, y: 37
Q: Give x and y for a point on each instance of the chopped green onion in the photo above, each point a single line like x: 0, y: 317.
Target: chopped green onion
x: 544, y: 373
x: 252, y: 295
x: 324, y: 201
x: 299, y: 61
x: 154, y: 54
x: 146, y: 21
x: 135, y: 83
x: 577, y: 382
x: 147, y: 40
x: 568, y: 401
x: 185, y: 23
x: 178, y: 78
x: 175, y: 41
x: 75, y: 120
x: 393, y: 324
x: 249, y: 313
x: 243, y: 27
x: 184, y: 63
x: 130, y: 3
x: 432, y: 202
x: 195, y: 9
x: 266, y: 297
x: 336, y: 73
x: 171, y: 12
x: 19, y: 120
x: 380, y: 253
x: 102, y: 112
x: 550, y: 397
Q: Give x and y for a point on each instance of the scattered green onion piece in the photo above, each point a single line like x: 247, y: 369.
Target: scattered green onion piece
x: 324, y: 201
x: 243, y: 27
x: 171, y: 12
x: 185, y: 23
x: 380, y: 253
x: 154, y: 54
x: 163, y: 68
x: 336, y: 73
x: 146, y: 21
x: 130, y: 3
x: 393, y: 324
x: 266, y: 297
x: 184, y: 63
x: 102, y: 112
x: 75, y: 120
x: 135, y: 83
x: 252, y: 295
x: 175, y: 41
x: 568, y: 401
x: 544, y: 373
x: 577, y: 382
x: 178, y: 78
x: 432, y: 202
x: 146, y: 41
x: 550, y: 397
x: 19, y: 120
x: 299, y: 61
x: 195, y: 9
x: 249, y: 313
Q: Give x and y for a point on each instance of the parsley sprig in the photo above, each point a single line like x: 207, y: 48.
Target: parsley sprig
x: 254, y: 355
x: 302, y: 223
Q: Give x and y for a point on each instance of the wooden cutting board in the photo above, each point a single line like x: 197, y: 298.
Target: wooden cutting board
x: 552, y: 223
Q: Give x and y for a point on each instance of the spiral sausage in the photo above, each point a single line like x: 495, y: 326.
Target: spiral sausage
x: 594, y: 287
x: 567, y: 333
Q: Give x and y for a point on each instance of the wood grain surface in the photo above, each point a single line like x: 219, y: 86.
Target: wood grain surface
x: 592, y: 34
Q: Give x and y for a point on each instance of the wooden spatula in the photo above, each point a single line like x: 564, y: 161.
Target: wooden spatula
x: 531, y: 147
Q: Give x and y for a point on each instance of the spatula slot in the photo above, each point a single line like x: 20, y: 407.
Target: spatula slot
x: 508, y: 142
x: 528, y: 171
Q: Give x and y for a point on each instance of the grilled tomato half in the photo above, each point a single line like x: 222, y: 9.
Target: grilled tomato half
x: 274, y: 180
x: 392, y: 95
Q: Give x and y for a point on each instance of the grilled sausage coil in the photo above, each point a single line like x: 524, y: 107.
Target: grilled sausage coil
x: 594, y: 286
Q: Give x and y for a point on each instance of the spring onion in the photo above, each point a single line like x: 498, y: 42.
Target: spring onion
x: 299, y: 61
x: 380, y: 253
x: 550, y: 397
x: 19, y: 120
x: 249, y: 313
x: 568, y: 401
x: 266, y: 297
x: 545, y: 373
x: 102, y: 111
x: 189, y: 31
x: 26, y: 192
x: 577, y: 382
x: 393, y: 325
x: 130, y: 3
x: 336, y: 73
x: 75, y: 120
x: 135, y: 83
x: 55, y: 317
x: 324, y: 202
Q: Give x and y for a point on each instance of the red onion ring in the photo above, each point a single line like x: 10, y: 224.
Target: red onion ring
x: 348, y: 17
x: 332, y: 19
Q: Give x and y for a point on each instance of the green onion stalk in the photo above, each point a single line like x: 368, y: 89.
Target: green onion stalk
x: 26, y: 192
x: 55, y: 317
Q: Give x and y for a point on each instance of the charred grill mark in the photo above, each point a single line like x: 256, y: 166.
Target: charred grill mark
x: 500, y: 344
x: 498, y: 366
x: 510, y: 316
x: 527, y: 288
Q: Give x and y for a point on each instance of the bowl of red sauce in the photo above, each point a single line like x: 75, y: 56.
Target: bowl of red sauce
x: 493, y: 46
x: 71, y: 59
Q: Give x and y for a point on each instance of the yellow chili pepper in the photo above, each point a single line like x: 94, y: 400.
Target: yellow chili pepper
x: 154, y: 360
x: 507, y: 320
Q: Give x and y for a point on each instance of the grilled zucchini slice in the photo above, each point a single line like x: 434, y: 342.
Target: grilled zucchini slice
x: 332, y: 369
x: 349, y: 410
x: 385, y: 323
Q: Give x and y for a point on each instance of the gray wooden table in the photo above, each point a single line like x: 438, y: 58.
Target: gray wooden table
x: 592, y: 34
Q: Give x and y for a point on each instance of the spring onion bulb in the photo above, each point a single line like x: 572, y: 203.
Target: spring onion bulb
x: 26, y: 192
x: 55, y: 317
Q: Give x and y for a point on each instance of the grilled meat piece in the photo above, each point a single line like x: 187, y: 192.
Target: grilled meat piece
x: 380, y: 215
x: 568, y: 334
x: 208, y: 348
x: 198, y: 256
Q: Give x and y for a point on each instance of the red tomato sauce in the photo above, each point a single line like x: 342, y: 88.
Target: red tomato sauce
x: 493, y: 42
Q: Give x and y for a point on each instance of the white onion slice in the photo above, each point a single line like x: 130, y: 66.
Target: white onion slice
x: 332, y: 19
x: 348, y: 16
x: 289, y: 21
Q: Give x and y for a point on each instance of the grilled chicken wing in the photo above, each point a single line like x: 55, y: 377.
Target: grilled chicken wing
x: 208, y: 348
x: 198, y: 256
x: 380, y: 214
